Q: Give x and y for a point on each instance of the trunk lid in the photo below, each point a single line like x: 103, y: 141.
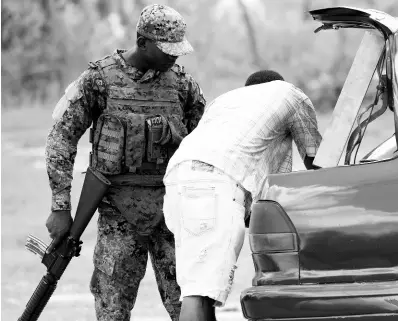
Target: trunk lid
x: 351, y: 17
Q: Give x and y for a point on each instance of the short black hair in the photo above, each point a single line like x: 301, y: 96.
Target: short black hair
x: 263, y: 76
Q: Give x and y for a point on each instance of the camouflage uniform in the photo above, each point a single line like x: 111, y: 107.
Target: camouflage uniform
x: 131, y: 222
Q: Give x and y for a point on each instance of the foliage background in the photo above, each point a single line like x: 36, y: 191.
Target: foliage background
x: 47, y: 43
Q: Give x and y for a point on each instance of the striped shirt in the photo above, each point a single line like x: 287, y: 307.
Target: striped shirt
x: 248, y: 133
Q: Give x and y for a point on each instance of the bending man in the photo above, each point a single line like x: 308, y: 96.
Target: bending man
x: 243, y: 136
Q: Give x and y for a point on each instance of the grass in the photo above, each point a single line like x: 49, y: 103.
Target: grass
x: 25, y: 202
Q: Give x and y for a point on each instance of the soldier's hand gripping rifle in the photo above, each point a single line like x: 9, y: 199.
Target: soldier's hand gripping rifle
x: 94, y: 188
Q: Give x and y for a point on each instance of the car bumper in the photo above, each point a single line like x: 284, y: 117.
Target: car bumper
x: 353, y: 301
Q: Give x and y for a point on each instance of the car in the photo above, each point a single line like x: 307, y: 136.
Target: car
x: 324, y: 242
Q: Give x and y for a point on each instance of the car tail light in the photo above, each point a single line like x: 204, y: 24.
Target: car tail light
x: 274, y: 245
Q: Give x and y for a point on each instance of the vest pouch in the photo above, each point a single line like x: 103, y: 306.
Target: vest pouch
x: 155, y: 153
x: 135, y: 141
x: 109, y: 144
x: 119, y: 143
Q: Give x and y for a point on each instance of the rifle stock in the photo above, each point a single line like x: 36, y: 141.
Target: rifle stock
x: 94, y: 188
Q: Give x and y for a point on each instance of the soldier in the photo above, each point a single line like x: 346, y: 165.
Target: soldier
x: 141, y: 105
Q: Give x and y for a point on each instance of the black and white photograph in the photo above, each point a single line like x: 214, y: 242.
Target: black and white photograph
x: 208, y: 160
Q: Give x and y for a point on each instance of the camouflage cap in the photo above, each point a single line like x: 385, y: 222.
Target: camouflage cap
x: 166, y: 27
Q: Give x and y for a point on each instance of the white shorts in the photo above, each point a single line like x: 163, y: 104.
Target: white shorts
x: 205, y: 209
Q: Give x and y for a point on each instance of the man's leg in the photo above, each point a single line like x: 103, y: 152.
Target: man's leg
x: 205, y: 211
x: 197, y: 308
x: 120, y: 259
x: 162, y: 252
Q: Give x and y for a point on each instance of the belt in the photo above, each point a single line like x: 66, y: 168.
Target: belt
x: 241, y: 196
x: 132, y: 179
x: 154, y: 166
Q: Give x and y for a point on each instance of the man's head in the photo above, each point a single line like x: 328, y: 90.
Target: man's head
x: 263, y: 76
x: 161, y: 36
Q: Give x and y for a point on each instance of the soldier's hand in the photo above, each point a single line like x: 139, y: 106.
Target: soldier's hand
x: 58, y: 224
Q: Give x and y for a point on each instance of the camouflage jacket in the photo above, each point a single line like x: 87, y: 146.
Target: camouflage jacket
x: 82, y: 102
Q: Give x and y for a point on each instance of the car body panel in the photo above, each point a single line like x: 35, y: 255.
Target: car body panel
x: 276, y: 268
x: 298, y: 301
x: 347, y: 228
x: 345, y: 220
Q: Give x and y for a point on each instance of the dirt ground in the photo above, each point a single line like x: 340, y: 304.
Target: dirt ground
x: 25, y: 205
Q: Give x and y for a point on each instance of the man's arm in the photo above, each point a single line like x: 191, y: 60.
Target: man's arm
x: 73, y: 115
x: 303, y: 126
x: 308, y: 162
x: 195, y: 104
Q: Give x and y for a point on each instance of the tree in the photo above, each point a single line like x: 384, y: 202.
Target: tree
x: 251, y: 34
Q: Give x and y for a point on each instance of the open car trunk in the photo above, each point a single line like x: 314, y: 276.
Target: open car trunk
x: 379, y: 45
x: 325, y: 242
x: 346, y: 218
x: 350, y: 17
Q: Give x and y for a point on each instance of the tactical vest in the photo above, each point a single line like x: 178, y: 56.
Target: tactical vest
x: 120, y: 138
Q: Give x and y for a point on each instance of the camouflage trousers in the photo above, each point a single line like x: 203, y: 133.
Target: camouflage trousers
x: 131, y: 225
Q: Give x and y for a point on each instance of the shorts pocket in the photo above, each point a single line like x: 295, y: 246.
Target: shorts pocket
x: 199, y: 208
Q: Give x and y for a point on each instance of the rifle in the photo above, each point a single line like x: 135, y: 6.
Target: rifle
x: 94, y: 188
